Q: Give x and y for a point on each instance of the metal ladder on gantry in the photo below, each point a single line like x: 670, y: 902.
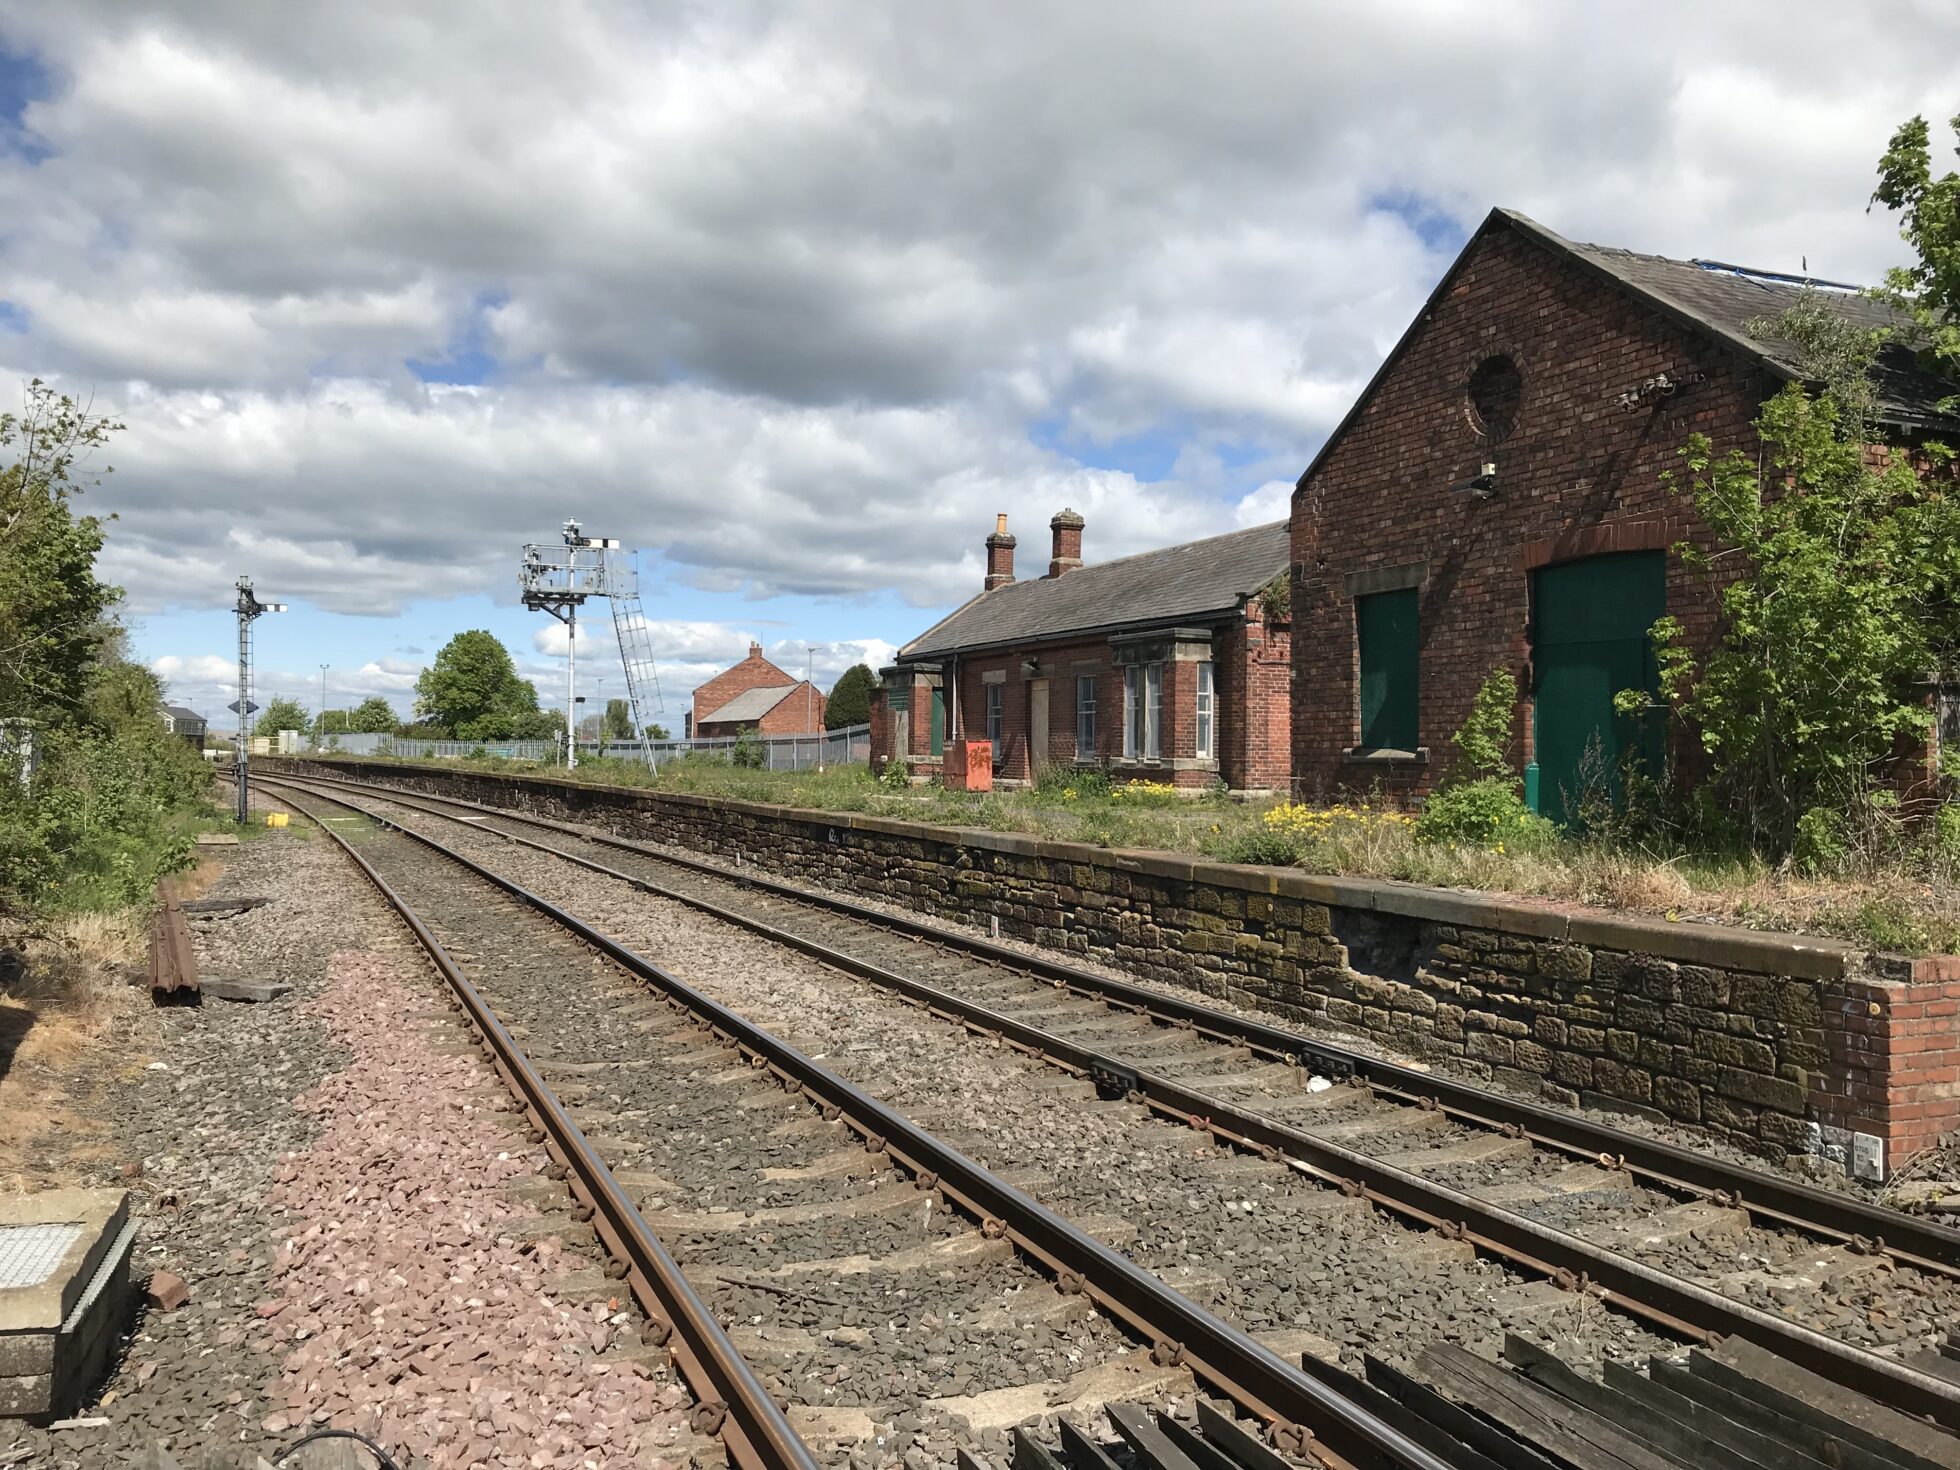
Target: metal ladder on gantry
x: 557, y: 579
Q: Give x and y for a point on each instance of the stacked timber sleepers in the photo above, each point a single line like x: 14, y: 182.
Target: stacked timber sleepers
x: 1151, y: 1441
x: 1735, y: 1405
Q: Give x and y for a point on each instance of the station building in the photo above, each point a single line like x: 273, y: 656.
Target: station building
x: 1169, y: 666
x: 1494, y: 500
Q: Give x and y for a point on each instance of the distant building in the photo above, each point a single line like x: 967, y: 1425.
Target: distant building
x: 187, y: 724
x: 756, y: 695
x: 1168, y: 666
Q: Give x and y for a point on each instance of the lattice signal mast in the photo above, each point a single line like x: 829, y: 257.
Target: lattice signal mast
x: 558, y: 579
x: 249, y: 610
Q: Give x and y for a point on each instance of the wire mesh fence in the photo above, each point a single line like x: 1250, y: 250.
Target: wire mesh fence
x: 776, y: 752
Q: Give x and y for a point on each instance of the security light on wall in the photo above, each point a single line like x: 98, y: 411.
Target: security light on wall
x: 1483, y: 485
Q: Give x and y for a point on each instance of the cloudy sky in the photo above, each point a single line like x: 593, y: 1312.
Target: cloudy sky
x: 794, y: 298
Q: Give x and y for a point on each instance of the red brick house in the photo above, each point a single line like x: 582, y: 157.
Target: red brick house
x: 1493, y: 500
x: 1167, y: 666
x: 755, y: 695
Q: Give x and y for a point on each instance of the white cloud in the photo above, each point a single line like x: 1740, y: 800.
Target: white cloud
x: 796, y: 299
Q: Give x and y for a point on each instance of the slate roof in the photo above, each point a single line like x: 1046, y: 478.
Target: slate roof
x: 751, y: 704
x: 1723, y: 301
x: 178, y: 712
x: 1195, y: 580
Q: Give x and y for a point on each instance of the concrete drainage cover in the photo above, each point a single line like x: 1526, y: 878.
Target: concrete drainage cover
x: 30, y: 1254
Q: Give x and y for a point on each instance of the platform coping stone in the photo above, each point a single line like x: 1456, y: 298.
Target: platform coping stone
x: 29, y: 1254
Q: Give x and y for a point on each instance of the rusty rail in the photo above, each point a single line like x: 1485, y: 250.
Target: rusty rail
x: 1676, y: 1306
x: 731, y: 1402
x: 1772, y: 1200
x: 173, y: 961
x: 1302, y: 1413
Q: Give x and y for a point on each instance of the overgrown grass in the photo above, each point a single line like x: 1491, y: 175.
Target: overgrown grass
x: 1907, y: 907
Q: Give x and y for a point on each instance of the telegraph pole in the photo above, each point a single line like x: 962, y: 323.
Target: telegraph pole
x: 249, y: 609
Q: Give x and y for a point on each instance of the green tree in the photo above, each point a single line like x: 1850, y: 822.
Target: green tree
x: 850, y: 698
x: 373, y: 716
x: 102, y: 809
x: 282, y: 714
x: 1929, y: 210
x: 1846, y: 606
x: 473, y: 690
x: 619, y: 720
x: 54, y: 613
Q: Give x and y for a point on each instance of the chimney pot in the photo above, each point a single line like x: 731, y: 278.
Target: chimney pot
x: 755, y: 650
x: 1066, y: 555
x: 1000, y: 554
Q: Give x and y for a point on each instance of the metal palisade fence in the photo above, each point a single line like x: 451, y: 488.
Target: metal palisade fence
x: 779, y: 752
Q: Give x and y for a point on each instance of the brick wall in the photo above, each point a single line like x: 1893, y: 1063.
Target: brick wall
x: 1778, y: 1043
x: 1577, y: 475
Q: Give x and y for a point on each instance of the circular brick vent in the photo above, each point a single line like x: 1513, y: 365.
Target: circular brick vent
x: 1495, y: 388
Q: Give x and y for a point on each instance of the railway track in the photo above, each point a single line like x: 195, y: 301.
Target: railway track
x: 1542, y: 1190
x: 793, y: 1239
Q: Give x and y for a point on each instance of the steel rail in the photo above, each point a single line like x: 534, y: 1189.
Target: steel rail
x: 731, y: 1402
x: 1907, y: 1239
x: 1302, y: 1412
x: 1679, y: 1307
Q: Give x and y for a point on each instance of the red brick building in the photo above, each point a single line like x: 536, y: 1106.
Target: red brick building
x: 1170, y: 666
x: 755, y: 695
x: 1494, y: 500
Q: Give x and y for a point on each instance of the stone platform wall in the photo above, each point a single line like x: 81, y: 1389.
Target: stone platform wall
x: 1780, y: 1043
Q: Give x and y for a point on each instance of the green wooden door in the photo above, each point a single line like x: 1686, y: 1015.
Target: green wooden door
x: 938, y: 736
x: 1590, y: 624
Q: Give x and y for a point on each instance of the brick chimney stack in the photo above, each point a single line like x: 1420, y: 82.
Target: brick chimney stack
x: 755, y: 650
x: 1000, y: 554
x: 1067, y: 555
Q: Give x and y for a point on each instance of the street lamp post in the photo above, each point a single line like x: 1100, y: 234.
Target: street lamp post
x: 323, y: 699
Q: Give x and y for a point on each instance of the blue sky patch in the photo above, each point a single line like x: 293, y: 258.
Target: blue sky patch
x: 1427, y: 220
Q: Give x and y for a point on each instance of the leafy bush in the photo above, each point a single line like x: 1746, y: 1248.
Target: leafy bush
x: 1478, y: 802
x: 1483, y: 745
x: 748, y: 752
x: 1266, y: 846
x: 1816, y: 683
x: 1069, y: 784
x: 1486, y: 813
x: 896, y: 776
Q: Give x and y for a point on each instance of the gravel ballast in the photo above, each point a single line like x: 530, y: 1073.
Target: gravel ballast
x: 323, y: 1172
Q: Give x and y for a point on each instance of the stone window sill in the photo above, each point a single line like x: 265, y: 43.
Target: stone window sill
x: 1356, y: 756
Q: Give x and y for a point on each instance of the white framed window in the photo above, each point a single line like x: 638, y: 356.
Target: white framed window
x: 1085, y: 716
x: 996, y: 706
x: 1143, y: 711
x: 1206, y: 711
